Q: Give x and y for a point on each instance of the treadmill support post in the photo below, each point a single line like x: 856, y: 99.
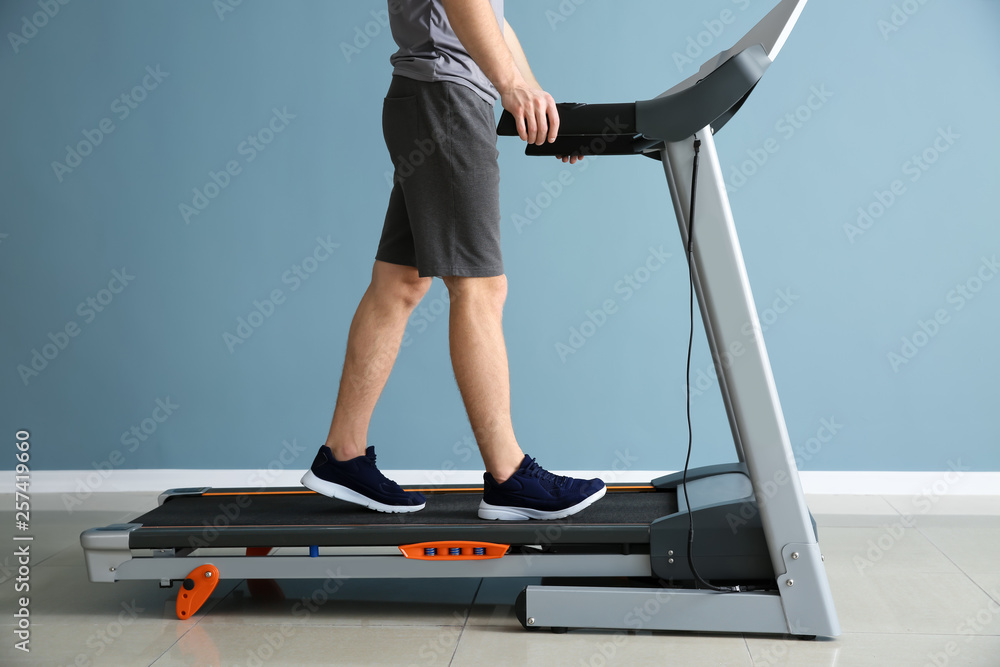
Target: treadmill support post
x: 747, y: 386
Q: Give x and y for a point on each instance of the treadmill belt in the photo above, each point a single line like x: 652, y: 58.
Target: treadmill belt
x: 287, y: 517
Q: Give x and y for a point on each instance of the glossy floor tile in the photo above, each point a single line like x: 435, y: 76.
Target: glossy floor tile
x: 878, y: 650
x: 915, y: 583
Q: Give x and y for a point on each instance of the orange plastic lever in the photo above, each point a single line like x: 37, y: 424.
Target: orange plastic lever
x: 196, y: 589
x: 454, y: 550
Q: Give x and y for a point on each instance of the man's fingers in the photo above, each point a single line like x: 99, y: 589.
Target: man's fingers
x: 531, y: 123
x: 542, y: 123
x: 521, y: 129
x: 553, y: 113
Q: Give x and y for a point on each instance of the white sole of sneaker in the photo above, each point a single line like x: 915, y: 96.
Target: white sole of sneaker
x: 331, y: 490
x: 502, y: 513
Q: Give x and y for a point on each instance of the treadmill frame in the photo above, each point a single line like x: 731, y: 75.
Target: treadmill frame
x: 802, y: 604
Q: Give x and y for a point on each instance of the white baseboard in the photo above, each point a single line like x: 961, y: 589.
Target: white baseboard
x: 83, y: 483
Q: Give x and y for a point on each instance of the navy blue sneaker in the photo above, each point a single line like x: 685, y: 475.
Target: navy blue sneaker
x: 359, y: 481
x: 534, y: 493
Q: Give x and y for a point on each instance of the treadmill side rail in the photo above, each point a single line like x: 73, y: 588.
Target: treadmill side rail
x: 106, y: 549
x: 186, y: 491
x: 386, y: 567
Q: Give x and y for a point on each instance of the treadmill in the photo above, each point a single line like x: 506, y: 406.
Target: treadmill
x: 621, y: 563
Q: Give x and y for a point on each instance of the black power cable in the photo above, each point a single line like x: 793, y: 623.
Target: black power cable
x: 690, y: 257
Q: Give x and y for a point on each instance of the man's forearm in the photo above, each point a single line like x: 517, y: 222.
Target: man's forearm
x: 514, y: 44
x: 476, y: 27
x: 475, y: 24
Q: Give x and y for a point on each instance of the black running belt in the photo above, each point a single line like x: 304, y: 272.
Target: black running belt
x: 297, y: 518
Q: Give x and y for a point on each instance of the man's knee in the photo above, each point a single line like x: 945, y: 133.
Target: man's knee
x: 402, y: 284
x: 490, y: 291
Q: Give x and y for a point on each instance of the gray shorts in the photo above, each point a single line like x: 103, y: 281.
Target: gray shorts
x: 444, y: 209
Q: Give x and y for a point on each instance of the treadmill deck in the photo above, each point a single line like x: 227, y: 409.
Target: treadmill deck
x: 294, y: 516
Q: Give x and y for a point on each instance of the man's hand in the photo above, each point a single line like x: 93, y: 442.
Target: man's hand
x: 534, y: 111
x: 499, y: 54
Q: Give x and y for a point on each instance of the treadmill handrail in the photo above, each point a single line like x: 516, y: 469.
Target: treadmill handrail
x: 667, y: 118
x: 677, y: 116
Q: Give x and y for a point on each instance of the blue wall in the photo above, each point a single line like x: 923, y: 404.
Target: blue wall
x: 850, y: 291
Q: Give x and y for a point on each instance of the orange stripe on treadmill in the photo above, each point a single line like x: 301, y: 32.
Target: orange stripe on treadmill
x: 258, y: 493
x: 306, y: 492
x: 151, y: 529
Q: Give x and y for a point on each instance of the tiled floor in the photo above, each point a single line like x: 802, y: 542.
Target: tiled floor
x: 914, y: 584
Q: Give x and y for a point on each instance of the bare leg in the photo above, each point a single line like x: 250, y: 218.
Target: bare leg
x: 479, y: 357
x: 372, y: 345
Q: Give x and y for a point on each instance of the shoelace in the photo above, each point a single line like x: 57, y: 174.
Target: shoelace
x: 535, y: 470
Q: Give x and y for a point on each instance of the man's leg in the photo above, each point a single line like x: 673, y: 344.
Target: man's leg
x: 372, y: 345
x: 515, y: 487
x: 479, y: 357
x: 342, y: 467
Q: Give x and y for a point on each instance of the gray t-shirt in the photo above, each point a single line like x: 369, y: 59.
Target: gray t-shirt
x: 429, y: 50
